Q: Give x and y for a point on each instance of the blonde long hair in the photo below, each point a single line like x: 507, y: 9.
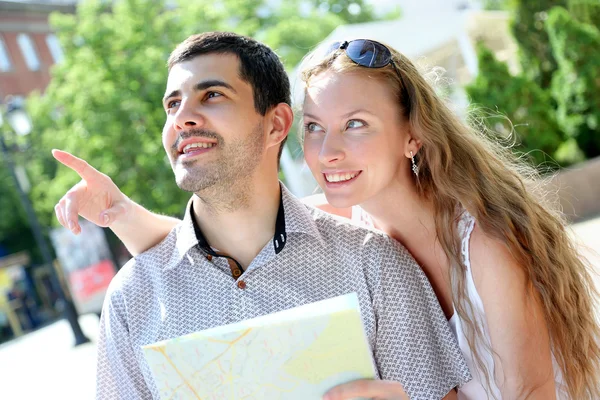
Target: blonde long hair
x: 461, y: 166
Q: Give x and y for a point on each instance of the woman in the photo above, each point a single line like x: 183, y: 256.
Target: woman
x: 501, y: 262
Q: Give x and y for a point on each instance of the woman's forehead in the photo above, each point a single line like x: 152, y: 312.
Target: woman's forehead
x: 332, y: 89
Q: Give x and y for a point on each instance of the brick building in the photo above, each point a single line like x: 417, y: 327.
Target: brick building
x: 28, y: 48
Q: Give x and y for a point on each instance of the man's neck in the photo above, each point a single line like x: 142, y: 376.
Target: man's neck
x: 239, y: 221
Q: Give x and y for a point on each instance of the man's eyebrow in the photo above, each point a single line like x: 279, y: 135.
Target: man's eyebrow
x: 203, y: 85
x: 174, y: 93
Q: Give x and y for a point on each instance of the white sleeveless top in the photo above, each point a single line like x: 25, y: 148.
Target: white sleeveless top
x: 476, y: 388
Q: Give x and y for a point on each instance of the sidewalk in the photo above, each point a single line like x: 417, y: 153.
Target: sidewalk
x: 45, y: 365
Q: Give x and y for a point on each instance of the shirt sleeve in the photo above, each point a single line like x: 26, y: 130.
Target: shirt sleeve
x: 414, y: 344
x: 118, y: 373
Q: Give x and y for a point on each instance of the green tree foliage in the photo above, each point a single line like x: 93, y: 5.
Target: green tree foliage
x: 528, y: 26
x: 537, y: 60
x: 495, y: 4
x: 553, y: 102
x: 352, y: 11
x: 15, y: 233
x: 515, y: 107
x: 586, y: 11
x: 576, y: 83
x: 297, y: 33
x: 103, y: 103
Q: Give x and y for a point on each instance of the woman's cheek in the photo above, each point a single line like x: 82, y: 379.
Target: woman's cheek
x: 311, y: 152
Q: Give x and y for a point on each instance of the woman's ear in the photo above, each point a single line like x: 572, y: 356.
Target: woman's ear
x: 412, y: 144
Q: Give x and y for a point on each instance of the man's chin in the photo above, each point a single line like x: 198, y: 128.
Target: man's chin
x: 188, y: 184
x: 191, y: 179
x: 187, y: 188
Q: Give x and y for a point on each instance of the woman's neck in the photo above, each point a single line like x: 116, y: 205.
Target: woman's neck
x: 409, y: 218
x: 403, y: 214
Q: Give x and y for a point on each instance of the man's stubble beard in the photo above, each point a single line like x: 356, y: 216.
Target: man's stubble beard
x: 225, y: 184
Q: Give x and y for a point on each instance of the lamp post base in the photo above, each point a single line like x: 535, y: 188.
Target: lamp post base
x: 79, y: 340
x: 70, y: 314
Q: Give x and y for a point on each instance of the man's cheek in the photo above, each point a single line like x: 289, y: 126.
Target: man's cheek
x: 168, y: 139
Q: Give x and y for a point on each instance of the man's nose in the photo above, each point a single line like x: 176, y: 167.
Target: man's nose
x: 187, y: 117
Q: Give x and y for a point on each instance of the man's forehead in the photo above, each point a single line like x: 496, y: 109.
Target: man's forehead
x: 222, y: 67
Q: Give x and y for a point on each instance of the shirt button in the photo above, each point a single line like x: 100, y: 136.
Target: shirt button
x: 209, y: 257
x: 236, y: 273
x: 241, y: 284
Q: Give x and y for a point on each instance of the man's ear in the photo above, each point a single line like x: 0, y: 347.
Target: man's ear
x: 281, y: 118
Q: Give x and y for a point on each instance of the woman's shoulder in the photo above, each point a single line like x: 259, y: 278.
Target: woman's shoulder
x: 490, y: 259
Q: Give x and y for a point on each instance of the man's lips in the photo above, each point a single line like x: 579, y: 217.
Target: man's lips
x: 195, y: 144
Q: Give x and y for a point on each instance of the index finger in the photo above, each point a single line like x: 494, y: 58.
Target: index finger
x: 85, y: 170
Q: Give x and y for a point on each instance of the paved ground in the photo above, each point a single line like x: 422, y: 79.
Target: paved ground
x: 44, y: 365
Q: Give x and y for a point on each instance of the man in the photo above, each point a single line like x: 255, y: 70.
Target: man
x: 246, y: 247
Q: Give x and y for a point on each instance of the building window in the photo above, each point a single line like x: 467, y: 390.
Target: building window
x: 5, y: 64
x: 28, y: 50
x: 54, y: 47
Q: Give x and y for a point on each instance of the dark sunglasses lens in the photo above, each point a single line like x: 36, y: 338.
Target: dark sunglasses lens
x: 368, y: 53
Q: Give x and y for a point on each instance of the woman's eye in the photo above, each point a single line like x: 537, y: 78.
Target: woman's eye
x: 311, y: 127
x: 355, y: 123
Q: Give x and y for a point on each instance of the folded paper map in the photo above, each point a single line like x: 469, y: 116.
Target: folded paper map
x: 294, y: 354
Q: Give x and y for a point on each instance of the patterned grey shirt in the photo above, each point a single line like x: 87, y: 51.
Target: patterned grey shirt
x: 178, y: 288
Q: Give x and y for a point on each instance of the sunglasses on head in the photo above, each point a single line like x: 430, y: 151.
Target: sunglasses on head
x: 364, y: 52
x: 370, y: 54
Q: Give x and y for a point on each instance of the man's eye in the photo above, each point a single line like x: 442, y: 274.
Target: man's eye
x: 355, y: 123
x: 173, y: 103
x: 311, y: 127
x: 211, y: 95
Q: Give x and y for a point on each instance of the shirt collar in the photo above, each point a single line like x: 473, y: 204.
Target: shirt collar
x: 298, y: 216
x: 292, y: 216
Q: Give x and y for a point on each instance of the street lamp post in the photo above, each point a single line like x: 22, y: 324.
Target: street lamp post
x: 21, y: 125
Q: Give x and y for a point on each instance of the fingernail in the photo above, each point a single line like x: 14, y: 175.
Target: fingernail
x: 105, y: 219
x: 71, y: 225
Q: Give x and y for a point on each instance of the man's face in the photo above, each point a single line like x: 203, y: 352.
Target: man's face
x: 213, y: 134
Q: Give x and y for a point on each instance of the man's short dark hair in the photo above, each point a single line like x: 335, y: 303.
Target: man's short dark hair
x: 259, y: 66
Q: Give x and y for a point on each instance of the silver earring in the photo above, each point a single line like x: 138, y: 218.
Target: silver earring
x: 415, y: 167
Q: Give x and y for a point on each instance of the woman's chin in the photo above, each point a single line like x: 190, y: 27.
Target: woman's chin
x: 338, y: 200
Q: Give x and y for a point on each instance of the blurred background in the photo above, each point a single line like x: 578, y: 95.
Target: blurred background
x: 88, y: 77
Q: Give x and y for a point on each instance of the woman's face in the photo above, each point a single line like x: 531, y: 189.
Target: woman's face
x: 354, y: 137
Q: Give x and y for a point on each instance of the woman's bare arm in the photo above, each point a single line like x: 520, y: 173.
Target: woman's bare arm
x: 142, y: 229
x: 97, y: 199
x: 518, y: 331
